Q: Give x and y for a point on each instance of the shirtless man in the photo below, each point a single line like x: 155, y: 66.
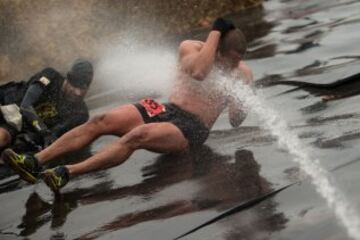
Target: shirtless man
x: 176, y: 126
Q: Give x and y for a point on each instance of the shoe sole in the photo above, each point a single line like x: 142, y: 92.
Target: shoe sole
x: 46, y: 177
x: 8, y: 155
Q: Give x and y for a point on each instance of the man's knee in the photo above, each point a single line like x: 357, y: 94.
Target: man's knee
x: 135, y: 138
x: 96, y: 124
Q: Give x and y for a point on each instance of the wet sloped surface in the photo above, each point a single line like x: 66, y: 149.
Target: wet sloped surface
x: 154, y: 196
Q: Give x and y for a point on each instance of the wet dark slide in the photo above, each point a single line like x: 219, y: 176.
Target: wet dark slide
x: 254, y: 201
x: 242, y: 206
x: 342, y: 88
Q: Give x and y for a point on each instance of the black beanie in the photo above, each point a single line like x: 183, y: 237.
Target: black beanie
x: 81, y: 74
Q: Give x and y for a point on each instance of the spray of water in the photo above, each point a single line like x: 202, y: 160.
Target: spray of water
x: 323, y: 181
x: 134, y: 68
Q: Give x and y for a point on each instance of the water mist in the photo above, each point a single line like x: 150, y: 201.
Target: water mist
x: 323, y: 181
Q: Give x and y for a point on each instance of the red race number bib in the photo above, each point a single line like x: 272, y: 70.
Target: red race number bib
x: 152, y: 108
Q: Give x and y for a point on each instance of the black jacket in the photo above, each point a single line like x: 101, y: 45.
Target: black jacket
x: 57, y: 113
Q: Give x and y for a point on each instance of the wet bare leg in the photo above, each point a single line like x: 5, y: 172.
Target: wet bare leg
x: 71, y: 141
x: 157, y: 137
x: 117, y: 122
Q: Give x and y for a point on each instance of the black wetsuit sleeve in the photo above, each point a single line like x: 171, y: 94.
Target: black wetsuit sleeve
x: 32, y: 95
x: 72, y: 120
x: 37, y: 85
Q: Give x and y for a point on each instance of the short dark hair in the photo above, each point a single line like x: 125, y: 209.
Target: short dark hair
x: 233, y: 40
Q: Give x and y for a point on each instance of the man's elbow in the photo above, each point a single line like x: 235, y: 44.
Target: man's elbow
x: 235, y: 123
x: 238, y: 120
x: 198, y: 75
x: 199, y: 72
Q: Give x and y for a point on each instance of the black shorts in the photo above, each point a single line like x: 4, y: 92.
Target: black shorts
x: 193, y: 129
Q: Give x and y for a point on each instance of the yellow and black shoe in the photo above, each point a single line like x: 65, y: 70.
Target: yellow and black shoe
x: 56, y: 178
x: 25, y: 165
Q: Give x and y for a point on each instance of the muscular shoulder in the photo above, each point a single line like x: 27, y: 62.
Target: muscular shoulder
x: 189, y: 46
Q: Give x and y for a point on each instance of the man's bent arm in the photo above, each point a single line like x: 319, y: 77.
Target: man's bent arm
x: 32, y: 95
x: 197, y: 58
x: 37, y: 86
